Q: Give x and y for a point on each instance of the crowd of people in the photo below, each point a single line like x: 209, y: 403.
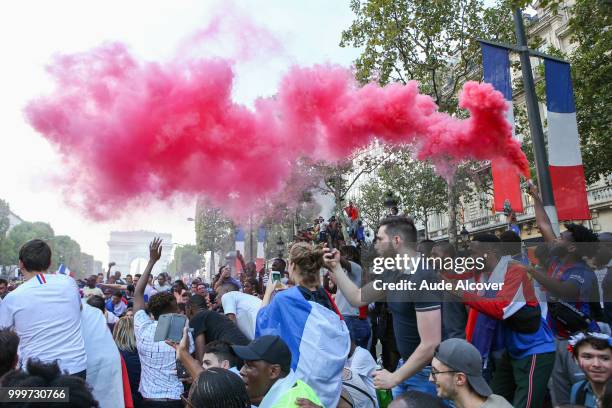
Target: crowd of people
x: 314, y: 330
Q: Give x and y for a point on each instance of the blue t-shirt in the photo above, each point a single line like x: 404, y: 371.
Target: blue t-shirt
x: 584, y: 278
x: 523, y: 345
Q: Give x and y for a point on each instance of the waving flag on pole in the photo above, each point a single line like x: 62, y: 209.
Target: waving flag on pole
x: 506, y: 181
x: 63, y: 269
x: 564, y: 158
x: 311, y: 331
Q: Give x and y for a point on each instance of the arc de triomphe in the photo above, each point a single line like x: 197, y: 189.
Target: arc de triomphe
x: 126, y: 246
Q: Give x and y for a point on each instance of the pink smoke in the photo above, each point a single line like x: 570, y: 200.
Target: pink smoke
x: 132, y: 130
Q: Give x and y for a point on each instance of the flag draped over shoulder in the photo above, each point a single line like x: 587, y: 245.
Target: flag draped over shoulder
x: 486, y: 314
x: 318, y: 339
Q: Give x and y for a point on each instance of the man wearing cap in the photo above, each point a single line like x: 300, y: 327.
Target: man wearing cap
x: 456, y: 370
x: 267, y: 373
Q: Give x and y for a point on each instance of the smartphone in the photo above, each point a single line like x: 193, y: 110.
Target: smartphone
x: 276, y: 276
x: 170, y: 327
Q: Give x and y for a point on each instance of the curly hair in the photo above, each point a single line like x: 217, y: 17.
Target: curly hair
x: 582, y: 234
x: 308, y: 259
x: 39, y: 374
x: 160, y: 303
x: 219, y: 388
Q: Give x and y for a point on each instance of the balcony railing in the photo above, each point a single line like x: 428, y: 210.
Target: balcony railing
x: 600, y: 195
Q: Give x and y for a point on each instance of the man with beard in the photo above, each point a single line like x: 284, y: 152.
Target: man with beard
x: 417, y: 320
x: 570, y: 286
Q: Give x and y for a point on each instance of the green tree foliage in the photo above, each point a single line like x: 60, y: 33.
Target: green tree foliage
x: 433, y: 42
x: 186, y: 260
x: 21, y: 234
x: 213, y: 230
x: 591, y: 28
x: 421, y: 191
x: 371, y: 203
x: 66, y: 251
x: 4, y: 226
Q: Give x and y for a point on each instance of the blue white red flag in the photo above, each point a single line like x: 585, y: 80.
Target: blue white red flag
x: 318, y: 339
x: 63, y: 270
x: 564, y: 157
x: 506, y: 181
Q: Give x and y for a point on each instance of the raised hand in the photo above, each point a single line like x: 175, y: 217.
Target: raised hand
x: 331, y: 258
x: 155, y: 249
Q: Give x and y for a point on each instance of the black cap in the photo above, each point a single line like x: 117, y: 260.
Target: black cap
x: 271, y: 349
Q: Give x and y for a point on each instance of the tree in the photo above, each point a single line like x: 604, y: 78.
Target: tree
x: 213, y: 230
x: 21, y: 234
x: 421, y: 191
x: 371, y: 203
x: 592, y: 77
x: 66, y: 251
x: 4, y: 226
x: 339, y: 178
x: 186, y: 260
x: 433, y: 42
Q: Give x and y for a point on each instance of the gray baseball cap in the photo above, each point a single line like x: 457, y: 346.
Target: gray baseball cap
x: 460, y: 355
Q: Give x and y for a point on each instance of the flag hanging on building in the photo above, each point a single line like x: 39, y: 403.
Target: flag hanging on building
x: 261, y: 239
x: 564, y: 158
x: 506, y: 180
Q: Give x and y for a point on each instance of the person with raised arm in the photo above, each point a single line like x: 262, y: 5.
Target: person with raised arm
x: 159, y: 384
x: 572, y: 292
x: 417, y: 320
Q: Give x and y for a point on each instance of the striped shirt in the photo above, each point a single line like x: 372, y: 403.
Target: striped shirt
x: 158, y: 361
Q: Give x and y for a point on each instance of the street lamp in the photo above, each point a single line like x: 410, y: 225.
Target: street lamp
x: 390, y: 202
x: 465, y: 235
x: 280, y: 246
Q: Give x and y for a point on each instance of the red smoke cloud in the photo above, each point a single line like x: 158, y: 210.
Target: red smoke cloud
x: 132, y: 130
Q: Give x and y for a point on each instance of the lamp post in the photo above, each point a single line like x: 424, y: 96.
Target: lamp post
x: 280, y: 246
x: 390, y: 202
x: 465, y: 235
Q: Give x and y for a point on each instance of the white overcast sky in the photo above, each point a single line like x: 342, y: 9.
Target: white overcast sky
x: 32, y: 31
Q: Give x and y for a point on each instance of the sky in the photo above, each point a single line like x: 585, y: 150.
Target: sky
x: 31, y: 32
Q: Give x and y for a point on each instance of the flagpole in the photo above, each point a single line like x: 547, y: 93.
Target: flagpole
x: 535, y: 123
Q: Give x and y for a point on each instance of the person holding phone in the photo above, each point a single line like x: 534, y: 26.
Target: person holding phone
x: 159, y: 383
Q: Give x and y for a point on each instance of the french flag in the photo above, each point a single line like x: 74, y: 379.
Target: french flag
x: 261, y: 239
x: 239, y: 246
x: 63, y: 270
x: 506, y: 181
x: 564, y: 158
x: 317, y: 337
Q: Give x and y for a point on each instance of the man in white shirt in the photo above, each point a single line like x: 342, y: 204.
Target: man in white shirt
x: 357, y: 377
x: 162, y: 284
x: 91, y: 289
x: 159, y: 384
x: 45, y: 312
x: 240, y: 308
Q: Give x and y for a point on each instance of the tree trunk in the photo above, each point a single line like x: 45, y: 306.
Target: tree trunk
x: 452, y: 212
x: 426, y: 230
